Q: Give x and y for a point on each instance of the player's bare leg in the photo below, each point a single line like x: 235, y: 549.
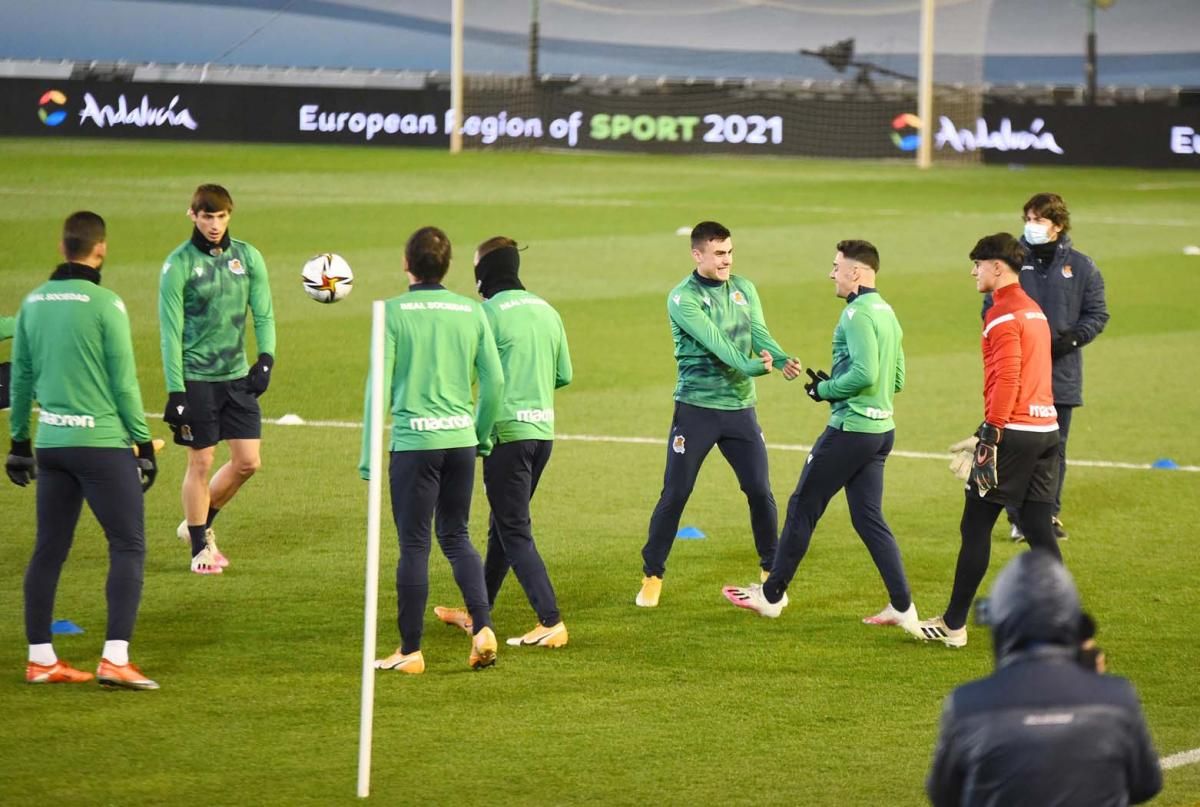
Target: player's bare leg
x: 195, y: 508
x: 244, y: 460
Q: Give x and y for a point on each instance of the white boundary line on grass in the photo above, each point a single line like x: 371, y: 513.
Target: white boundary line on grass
x: 1180, y: 759
x: 605, y: 438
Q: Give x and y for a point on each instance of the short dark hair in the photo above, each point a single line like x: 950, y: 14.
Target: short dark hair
x: 428, y: 254
x: 494, y: 243
x: 862, y: 251
x: 1049, y: 206
x: 1000, y: 247
x: 707, y: 231
x: 81, y: 233
x: 211, y: 199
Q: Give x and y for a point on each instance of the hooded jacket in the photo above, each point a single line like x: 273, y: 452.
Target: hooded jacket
x: 1041, y: 729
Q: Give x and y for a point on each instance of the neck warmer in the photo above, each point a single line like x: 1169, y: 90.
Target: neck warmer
x: 208, y: 247
x: 1044, y: 252
x: 76, y: 271
x: 497, y: 272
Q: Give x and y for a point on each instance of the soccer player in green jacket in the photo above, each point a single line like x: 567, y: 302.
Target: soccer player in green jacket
x: 206, y: 286
x: 73, y: 353
x: 868, y: 370
x: 533, y: 352
x: 436, y: 344
x: 721, y: 344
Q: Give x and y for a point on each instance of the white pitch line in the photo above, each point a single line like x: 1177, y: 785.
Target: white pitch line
x: 1180, y: 759
x: 653, y: 441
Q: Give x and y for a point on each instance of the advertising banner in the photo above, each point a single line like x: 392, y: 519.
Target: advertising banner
x: 230, y: 112
x: 1135, y: 135
x: 708, y: 120
x: 677, y: 120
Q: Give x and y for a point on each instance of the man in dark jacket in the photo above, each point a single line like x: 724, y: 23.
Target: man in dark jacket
x: 1045, y: 727
x: 1068, y: 287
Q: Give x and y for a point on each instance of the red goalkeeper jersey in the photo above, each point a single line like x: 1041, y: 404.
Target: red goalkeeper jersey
x: 1017, y: 390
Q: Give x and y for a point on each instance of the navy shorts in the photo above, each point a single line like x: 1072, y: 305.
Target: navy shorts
x: 219, y: 410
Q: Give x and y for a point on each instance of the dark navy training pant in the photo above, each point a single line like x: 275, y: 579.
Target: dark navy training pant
x: 108, y: 480
x: 510, y: 477
x: 854, y: 461
x: 434, y: 486
x: 694, y: 431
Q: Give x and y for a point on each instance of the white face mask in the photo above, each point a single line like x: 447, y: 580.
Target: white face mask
x: 1036, y: 233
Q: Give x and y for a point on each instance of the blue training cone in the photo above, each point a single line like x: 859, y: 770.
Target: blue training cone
x: 691, y: 533
x: 1165, y: 464
x: 65, y: 626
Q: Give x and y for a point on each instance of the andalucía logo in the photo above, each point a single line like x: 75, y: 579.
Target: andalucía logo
x: 906, y: 141
x: 47, y: 108
x: 137, y: 113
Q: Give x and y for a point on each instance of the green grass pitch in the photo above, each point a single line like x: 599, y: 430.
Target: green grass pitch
x: 695, y: 702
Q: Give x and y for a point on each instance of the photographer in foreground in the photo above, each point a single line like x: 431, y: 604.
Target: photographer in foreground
x: 1046, y: 727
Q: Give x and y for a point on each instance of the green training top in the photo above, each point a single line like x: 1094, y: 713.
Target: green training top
x: 202, y: 302
x: 868, y: 366
x: 436, y: 343
x: 719, y: 331
x: 8, y: 326
x: 533, y: 352
x: 73, y: 353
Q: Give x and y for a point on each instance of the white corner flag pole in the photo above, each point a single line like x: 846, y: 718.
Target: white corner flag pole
x: 371, y: 603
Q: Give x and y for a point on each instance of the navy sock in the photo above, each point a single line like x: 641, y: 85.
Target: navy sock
x: 212, y: 516
x: 196, y: 533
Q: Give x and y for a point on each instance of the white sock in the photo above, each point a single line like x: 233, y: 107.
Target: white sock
x: 117, y: 652
x: 42, y: 654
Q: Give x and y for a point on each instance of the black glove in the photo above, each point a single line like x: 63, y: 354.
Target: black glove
x: 815, y: 379
x: 983, y: 471
x: 259, y: 377
x: 176, y: 413
x: 147, y: 464
x: 20, y: 465
x: 1067, y: 341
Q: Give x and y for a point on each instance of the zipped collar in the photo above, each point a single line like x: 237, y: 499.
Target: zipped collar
x: 861, y: 291
x: 76, y: 271
x: 712, y: 284
x: 208, y: 247
x: 426, y: 287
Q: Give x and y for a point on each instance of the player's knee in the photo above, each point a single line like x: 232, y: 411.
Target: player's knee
x: 246, y: 467
x: 759, y: 495
x: 200, y: 463
x: 674, y: 497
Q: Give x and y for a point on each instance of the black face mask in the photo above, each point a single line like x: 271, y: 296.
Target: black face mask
x: 497, y: 272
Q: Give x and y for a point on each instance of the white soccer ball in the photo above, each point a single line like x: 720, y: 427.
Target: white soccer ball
x: 327, y: 278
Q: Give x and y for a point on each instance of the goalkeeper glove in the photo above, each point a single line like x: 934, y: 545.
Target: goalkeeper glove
x: 983, y: 471
x: 20, y: 465
x: 147, y: 465
x: 259, y: 377
x: 814, y: 380
x: 964, y: 453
